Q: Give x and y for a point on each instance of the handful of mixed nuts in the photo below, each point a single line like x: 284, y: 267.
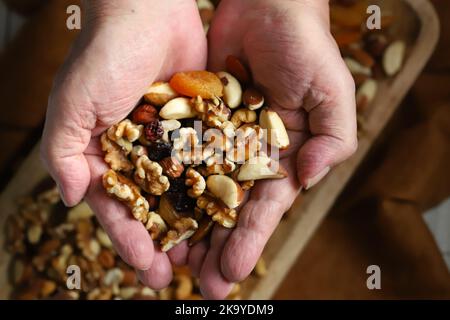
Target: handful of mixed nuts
x: 187, y: 154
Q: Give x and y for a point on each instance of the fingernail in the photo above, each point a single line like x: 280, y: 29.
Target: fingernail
x: 62, y: 195
x: 314, y: 180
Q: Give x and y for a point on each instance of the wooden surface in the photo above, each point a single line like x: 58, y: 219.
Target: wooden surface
x: 420, y: 27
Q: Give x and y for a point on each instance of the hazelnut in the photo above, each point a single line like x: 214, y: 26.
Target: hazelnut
x: 253, y: 99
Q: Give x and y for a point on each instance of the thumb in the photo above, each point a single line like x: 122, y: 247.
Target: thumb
x: 67, y: 133
x: 332, y: 124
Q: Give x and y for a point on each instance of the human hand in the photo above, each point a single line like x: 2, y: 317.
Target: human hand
x: 123, y: 47
x: 296, y: 63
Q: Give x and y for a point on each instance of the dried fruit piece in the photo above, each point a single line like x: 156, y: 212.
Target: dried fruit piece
x: 153, y: 131
x: 253, y: 99
x: 144, y: 114
x: 178, y: 108
x: 232, y: 91
x: 181, y: 201
x: 197, y: 83
x: 237, y: 69
x: 159, y: 150
x: 159, y: 93
x: 276, y: 131
x: 393, y: 57
x: 225, y: 189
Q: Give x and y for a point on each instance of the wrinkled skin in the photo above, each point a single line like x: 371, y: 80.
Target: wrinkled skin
x: 293, y: 59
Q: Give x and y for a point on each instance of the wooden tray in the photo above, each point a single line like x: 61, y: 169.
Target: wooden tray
x: 419, y: 26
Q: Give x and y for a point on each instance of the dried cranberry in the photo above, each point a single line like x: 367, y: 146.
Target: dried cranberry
x: 153, y: 131
x: 159, y: 150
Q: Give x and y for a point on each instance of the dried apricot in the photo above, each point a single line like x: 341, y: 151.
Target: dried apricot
x: 197, y: 83
x: 237, y: 69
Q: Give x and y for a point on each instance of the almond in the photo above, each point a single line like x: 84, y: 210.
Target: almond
x: 225, y: 189
x: 393, y: 57
x: 159, y: 93
x: 276, y: 134
x: 237, y: 69
x: 232, y: 91
x: 261, y: 168
x: 172, y: 167
x: 178, y: 108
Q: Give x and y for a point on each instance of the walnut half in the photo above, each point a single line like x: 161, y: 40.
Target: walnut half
x: 127, y: 192
x: 219, y: 213
x: 149, y: 176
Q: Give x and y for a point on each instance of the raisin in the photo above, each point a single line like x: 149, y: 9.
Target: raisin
x: 178, y: 185
x: 153, y: 131
x: 159, y: 150
x: 181, y: 201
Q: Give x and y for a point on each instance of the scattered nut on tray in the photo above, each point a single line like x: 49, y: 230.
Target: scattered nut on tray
x: 44, y: 238
x: 370, y: 55
x: 189, y: 152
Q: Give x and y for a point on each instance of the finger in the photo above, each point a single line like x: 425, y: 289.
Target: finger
x: 332, y: 123
x: 160, y: 273
x: 129, y: 236
x: 197, y: 256
x: 213, y: 285
x: 257, y: 221
x: 178, y: 255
